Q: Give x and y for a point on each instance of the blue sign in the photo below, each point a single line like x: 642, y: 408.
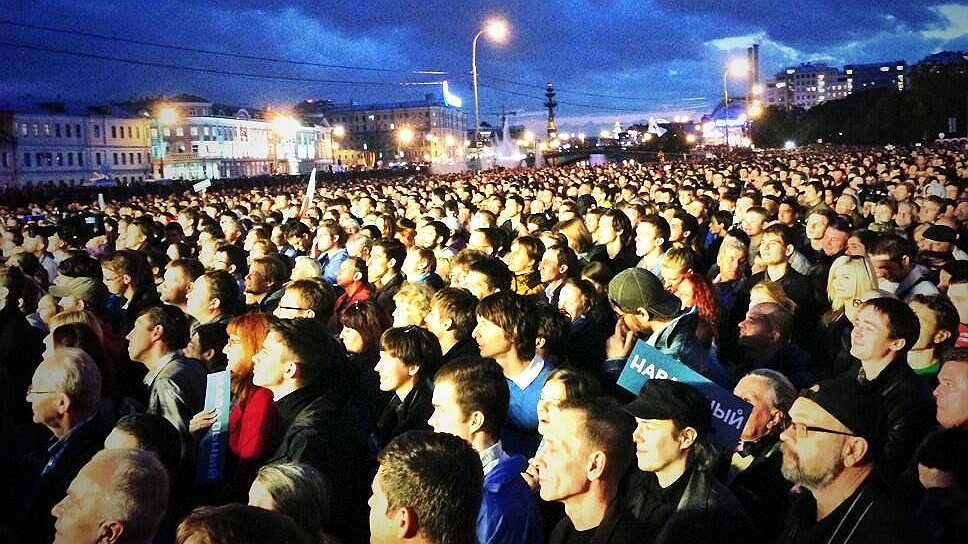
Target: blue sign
x: 215, y: 441
x: 729, y: 411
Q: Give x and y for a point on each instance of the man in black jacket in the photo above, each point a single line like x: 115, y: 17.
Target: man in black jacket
x: 884, y: 331
x: 829, y: 451
x: 318, y: 424
x: 675, y: 496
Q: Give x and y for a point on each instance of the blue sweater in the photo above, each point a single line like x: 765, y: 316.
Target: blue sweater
x: 520, y: 435
x: 509, y: 511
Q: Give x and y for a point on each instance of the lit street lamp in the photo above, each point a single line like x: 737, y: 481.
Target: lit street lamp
x: 404, y: 136
x: 736, y: 67
x: 166, y: 116
x: 497, y: 30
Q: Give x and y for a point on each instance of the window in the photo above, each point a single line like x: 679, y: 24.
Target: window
x: 57, y: 129
x: 124, y: 160
x: 67, y: 126
x: 129, y: 132
x: 50, y: 159
x: 97, y: 131
x: 23, y: 129
x: 130, y: 158
x: 179, y: 131
x: 114, y: 131
x: 139, y: 158
x: 46, y: 129
x: 26, y: 159
x: 70, y: 158
x: 77, y: 130
x: 115, y: 158
x: 193, y: 131
x: 137, y: 132
x: 194, y: 148
x: 166, y: 131
x: 97, y: 158
x: 80, y: 159
x: 40, y: 158
x: 36, y: 129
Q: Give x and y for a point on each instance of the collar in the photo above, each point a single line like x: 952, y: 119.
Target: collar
x: 529, y: 374
x: 162, y: 363
x: 56, y: 449
x: 492, y: 456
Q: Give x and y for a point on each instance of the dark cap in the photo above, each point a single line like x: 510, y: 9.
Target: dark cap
x: 635, y: 288
x: 941, y: 233
x: 853, y: 404
x: 669, y: 399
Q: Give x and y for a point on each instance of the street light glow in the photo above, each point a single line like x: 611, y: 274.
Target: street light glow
x: 339, y: 131
x: 405, y: 135
x: 528, y: 136
x: 285, y: 126
x: 167, y: 115
x: 496, y: 30
x: 737, y: 67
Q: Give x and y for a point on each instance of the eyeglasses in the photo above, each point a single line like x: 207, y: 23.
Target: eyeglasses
x: 30, y: 391
x: 802, y: 430
x: 296, y: 308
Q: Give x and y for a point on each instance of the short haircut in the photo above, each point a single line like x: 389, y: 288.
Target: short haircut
x: 577, y: 384
x: 427, y: 256
x: 782, y: 391
x: 779, y: 317
x: 895, y: 247
x: 414, y: 346
x: 222, y: 286
x: 80, y: 266
x: 156, y: 434
x: 495, y: 238
x: 458, y: 305
x: 239, y: 524
x: 213, y: 336
x: 394, y: 250
x: 840, y: 223
x: 620, y: 222
x: 553, y: 328
x: 515, y: 315
x: 309, y: 342
x: 316, y: 296
x: 276, y: 270
x: 439, y: 477
x: 136, y: 494
x: 495, y: 270
x: 945, y: 315
x: 234, y: 255
x: 903, y: 323
x: 334, y: 229
x: 481, y: 387
x: 724, y: 217
x: 532, y: 245
x: 190, y: 268
x: 174, y: 324
x: 565, y: 256
x: 80, y: 378
x: 299, y: 491
x: 784, y: 232
x: 441, y: 231
x: 606, y: 427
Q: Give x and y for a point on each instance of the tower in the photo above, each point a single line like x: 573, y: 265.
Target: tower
x: 551, y: 104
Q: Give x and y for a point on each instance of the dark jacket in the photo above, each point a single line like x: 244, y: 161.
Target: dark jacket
x: 871, y: 515
x: 509, y: 511
x: 617, y: 527
x: 760, y: 488
x: 678, y: 340
x: 706, y: 513
x: 463, y: 349
x: 798, y: 289
x: 625, y: 258
x: 909, y: 413
x: 321, y: 430
x: 384, y: 296
x: 410, y: 414
x: 33, y: 522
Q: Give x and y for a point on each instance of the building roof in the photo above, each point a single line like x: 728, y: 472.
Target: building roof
x: 429, y: 101
x: 38, y: 106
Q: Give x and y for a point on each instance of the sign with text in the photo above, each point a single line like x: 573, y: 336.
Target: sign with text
x: 215, y: 441
x: 201, y: 186
x: 729, y: 411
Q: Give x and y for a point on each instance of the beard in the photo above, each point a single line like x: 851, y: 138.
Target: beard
x: 795, y: 472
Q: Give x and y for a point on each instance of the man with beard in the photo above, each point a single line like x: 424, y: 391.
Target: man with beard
x: 828, y: 450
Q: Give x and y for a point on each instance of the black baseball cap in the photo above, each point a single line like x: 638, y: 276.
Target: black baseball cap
x: 853, y: 404
x: 669, y: 399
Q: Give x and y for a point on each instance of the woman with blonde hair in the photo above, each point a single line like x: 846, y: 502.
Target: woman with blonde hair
x: 850, y: 277
x: 578, y: 236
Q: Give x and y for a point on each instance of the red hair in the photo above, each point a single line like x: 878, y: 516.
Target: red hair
x: 251, y: 330
x: 704, y: 298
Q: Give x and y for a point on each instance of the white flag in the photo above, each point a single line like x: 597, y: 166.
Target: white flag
x: 310, y: 194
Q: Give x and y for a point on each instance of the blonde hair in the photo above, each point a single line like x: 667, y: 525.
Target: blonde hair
x: 860, y: 268
x: 775, y: 293
x: 417, y: 295
x: 78, y: 316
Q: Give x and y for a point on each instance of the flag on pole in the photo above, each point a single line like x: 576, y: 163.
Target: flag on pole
x: 654, y: 127
x: 310, y: 194
x: 100, y: 201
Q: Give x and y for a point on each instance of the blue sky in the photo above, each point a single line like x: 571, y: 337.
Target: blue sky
x: 612, y: 60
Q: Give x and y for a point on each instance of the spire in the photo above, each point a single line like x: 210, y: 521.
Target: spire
x: 551, y: 104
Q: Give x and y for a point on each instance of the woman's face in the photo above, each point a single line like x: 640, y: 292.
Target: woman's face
x: 686, y: 294
x: 844, y: 285
x: 233, y: 353
x: 352, y: 340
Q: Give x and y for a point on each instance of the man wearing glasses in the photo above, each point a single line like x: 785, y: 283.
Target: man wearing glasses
x: 829, y: 450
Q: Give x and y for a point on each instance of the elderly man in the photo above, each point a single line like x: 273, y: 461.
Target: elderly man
x: 828, y: 450
x: 63, y: 395
x: 118, y: 497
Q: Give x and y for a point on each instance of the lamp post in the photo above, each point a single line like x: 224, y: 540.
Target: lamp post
x: 497, y: 30
x: 338, y: 132
x: 735, y: 67
x: 166, y: 116
x: 404, y: 136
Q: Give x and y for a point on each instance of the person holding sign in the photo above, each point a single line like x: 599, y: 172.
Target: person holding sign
x: 646, y: 309
x: 675, y: 496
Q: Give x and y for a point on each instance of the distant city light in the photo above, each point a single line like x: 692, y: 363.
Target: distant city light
x: 789, y: 144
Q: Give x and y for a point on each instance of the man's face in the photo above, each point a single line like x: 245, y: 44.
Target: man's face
x: 787, y: 214
x: 518, y: 260
x: 834, y: 241
x: 732, y: 263
x: 887, y: 269
x: 605, y: 232
x: 814, y: 459
x: 755, y: 329
x: 382, y: 523
x: 753, y: 223
x: 756, y: 391
x: 810, y: 195
x: 113, y: 281
x: 570, y: 301
x: 929, y: 212
x: 256, y: 281
x: 141, y: 338
x: 869, y: 340
x: 905, y: 215
x: 845, y: 205
x: 174, y: 288
x: 548, y: 266
x: 563, y: 460
x: 951, y: 395
x: 491, y: 338
x: 377, y: 265
x: 656, y: 444
x: 426, y: 237
x: 929, y: 325
x: 958, y: 293
x: 271, y: 363
x: 346, y: 275
x: 78, y: 516
x: 478, y: 284
x: 393, y: 372
x: 197, y: 298
x: 772, y: 249
x: 46, y: 395
x: 646, y: 239
x: 816, y: 226
x: 447, y: 416
x: 883, y: 213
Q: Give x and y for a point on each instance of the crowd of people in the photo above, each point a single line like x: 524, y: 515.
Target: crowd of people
x: 436, y: 358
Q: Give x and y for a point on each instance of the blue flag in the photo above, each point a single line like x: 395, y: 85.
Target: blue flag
x: 215, y: 441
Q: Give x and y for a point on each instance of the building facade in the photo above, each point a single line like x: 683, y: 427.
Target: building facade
x: 426, y: 131
x: 71, y: 144
x: 880, y: 75
x: 812, y: 84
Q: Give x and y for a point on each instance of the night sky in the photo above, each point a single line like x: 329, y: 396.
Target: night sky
x: 610, y: 59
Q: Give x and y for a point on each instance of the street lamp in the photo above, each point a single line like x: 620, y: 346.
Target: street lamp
x: 338, y: 132
x: 735, y: 67
x: 497, y: 30
x: 404, y: 136
x: 166, y: 116
x: 286, y: 128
